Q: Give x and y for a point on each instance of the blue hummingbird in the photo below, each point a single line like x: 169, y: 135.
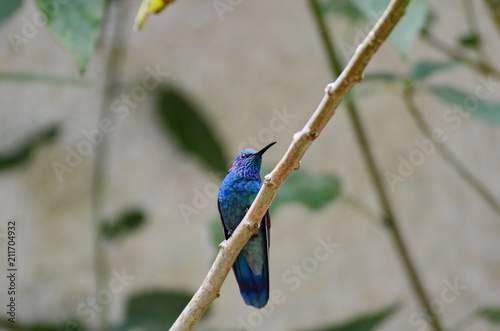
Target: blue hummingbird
x: 236, y: 194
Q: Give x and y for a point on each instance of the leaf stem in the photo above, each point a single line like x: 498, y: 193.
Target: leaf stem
x: 115, y: 11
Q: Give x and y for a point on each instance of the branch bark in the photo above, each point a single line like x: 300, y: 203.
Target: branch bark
x: 335, y: 92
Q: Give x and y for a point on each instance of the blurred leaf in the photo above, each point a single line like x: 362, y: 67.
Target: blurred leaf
x: 22, y: 77
x: 7, y: 8
x: 76, y: 24
x: 492, y: 314
x: 313, y: 192
x: 386, y: 77
x: 128, y: 222
x: 481, y: 109
x: 424, y: 69
x: 21, y: 154
x: 363, y: 323
x: 343, y: 7
x: 182, y: 120
x: 154, y: 310
x: 408, y: 29
x: 470, y: 40
x: 411, y: 25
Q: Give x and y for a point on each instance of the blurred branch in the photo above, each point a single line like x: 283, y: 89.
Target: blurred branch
x: 361, y: 206
x: 450, y: 158
x: 494, y: 6
x: 335, y: 92
x: 458, y: 54
x: 27, y: 77
x: 115, y: 13
x: 390, y: 219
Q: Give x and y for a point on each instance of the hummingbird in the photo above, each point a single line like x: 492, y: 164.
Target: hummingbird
x: 236, y: 194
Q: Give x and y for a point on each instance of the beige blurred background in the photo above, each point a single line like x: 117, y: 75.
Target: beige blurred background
x: 263, y: 56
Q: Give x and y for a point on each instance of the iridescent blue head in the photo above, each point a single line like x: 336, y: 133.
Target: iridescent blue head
x: 248, y: 162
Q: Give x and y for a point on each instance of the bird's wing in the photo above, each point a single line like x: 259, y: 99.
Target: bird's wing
x: 267, y: 224
x: 226, y: 232
x: 266, y: 220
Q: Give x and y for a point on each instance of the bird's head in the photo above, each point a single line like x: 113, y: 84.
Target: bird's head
x: 249, y: 161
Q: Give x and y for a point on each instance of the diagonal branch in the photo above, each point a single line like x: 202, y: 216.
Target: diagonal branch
x: 335, y: 92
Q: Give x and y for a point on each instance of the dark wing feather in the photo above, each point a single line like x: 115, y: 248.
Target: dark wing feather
x: 267, y: 223
x: 226, y: 232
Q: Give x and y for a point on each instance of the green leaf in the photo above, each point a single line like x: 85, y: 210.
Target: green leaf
x: 424, y: 69
x: 343, y: 7
x: 470, y: 40
x: 22, y: 154
x: 492, y: 314
x: 314, y: 192
x: 7, y: 8
x: 408, y: 29
x: 183, y: 121
x: 363, y: 323
x: 154, y: 310
x: 76, y: 25
x: 479, y: 108
x: 128, y: 222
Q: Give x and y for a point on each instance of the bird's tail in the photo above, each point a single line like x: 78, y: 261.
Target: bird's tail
x: 254, y: 288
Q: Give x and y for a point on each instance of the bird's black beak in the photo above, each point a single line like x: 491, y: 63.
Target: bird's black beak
x: 262, y: 151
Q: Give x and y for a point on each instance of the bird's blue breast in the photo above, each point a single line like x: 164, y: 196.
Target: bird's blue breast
x: 235, y: 196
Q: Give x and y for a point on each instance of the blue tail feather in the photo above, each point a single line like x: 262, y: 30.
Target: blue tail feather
x: 254, y: 288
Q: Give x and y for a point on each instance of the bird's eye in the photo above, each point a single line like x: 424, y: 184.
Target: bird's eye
x: 244, y: 156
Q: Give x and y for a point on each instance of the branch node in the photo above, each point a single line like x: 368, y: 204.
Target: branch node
x: 223, y: 244
x: 251, y: 226
x: 209, y: 287
x: 311, y: 135
x: 329, y: 89
x: 268, y: 181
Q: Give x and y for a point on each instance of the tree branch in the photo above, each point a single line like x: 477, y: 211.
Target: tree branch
x: 335, y: 92
x: 447, y: 154
x: 459, y: 54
